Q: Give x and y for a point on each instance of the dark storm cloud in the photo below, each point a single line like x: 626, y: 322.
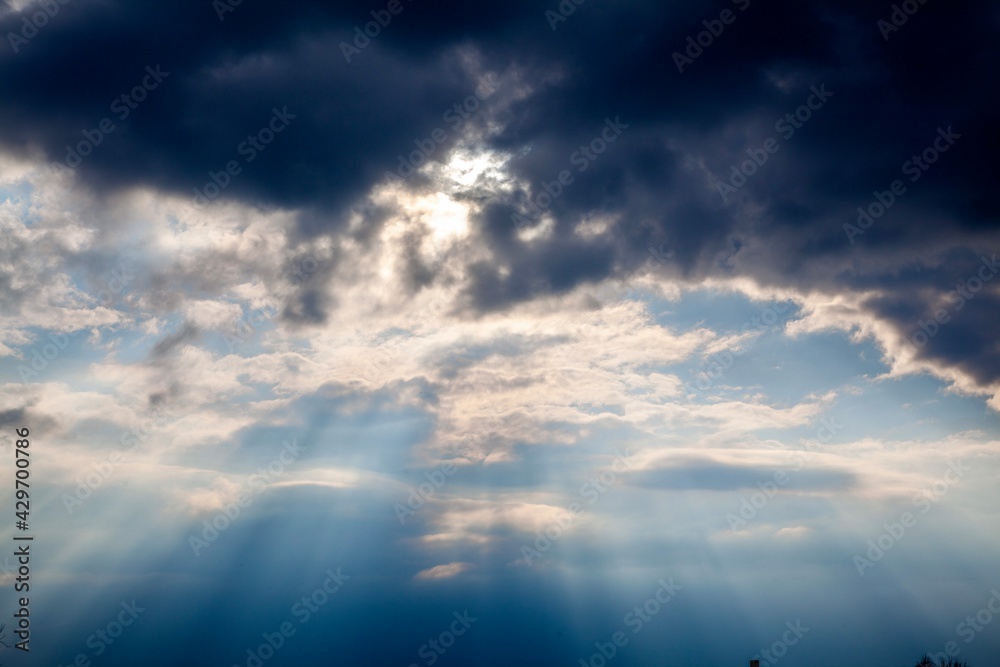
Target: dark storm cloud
x: 890, y: 101
x: 218, y: 84
x: 956, y: 327
x: 681, y: 132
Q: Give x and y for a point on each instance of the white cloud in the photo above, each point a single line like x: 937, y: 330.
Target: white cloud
x: 443, y: 571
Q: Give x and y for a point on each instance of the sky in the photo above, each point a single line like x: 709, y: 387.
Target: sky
x: 587, y: 332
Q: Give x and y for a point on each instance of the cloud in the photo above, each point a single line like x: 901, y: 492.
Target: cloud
x: 708, y: 475
x: 654, y: 186
x: 490, y: 244
x: 442, y: 571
